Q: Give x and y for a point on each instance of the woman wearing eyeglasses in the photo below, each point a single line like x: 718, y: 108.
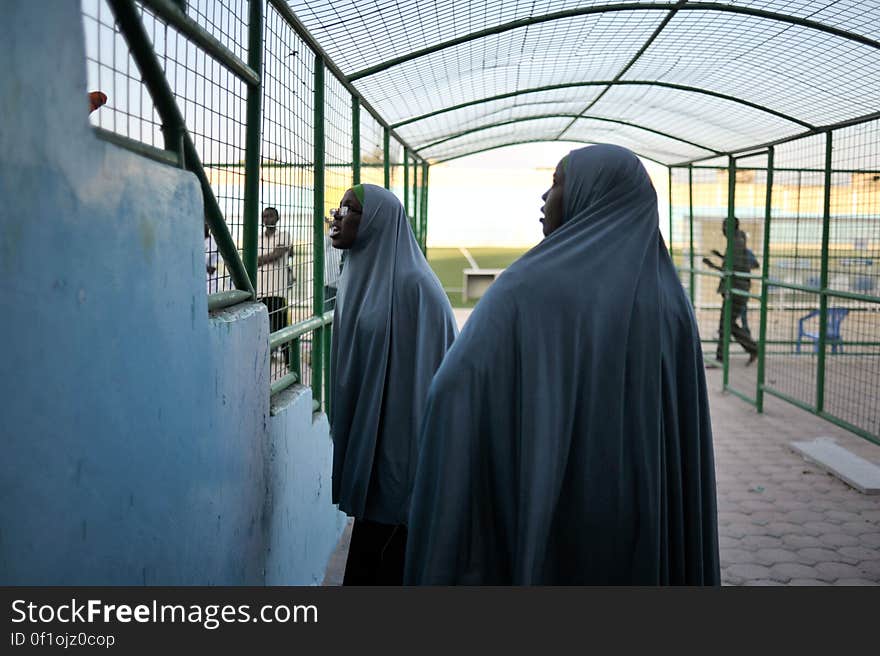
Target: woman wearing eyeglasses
x: 391, y: 328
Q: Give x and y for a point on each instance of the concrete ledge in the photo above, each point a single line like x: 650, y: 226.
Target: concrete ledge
x: 845, y: 465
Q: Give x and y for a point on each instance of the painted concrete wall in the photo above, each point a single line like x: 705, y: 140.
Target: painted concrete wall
x: 300, y: 491
x: 135, y: 428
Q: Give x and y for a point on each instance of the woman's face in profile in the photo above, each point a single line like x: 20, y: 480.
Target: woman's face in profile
x: 552, y: 208
x: 345, y: 222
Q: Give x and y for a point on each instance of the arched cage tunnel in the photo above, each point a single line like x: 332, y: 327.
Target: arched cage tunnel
x: 763, y: 113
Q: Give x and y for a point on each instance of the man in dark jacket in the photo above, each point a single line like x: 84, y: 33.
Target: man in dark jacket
x: 738, y: 302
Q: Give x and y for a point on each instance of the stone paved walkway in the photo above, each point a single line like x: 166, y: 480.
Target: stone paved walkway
x: 782, y: 521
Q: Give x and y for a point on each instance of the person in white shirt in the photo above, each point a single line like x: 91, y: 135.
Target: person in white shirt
x: 212, y: 262
x: 332, y: 271
x: 272, y: 271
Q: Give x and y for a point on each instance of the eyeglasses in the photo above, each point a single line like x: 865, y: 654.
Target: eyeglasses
x: 340, y: 213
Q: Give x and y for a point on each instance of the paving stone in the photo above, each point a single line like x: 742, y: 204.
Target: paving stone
x: 813, y: 555
x: 857, y: 528
x: 779, y: 529
x: 837, y: 515
x: 727, y: 542
x: 839, y: 540
x: 807, y: 582
x: 757, y: 505
x: 785, y: 572
x: 855, y: 582
x: 870, y: 568
x: 803, y: 516
x: 819, y: 528
x: 761, y: 582
x: 736, y: 556
x: 774, y: 556
x: 800, y: 541
x: 746, y: 571
x: 859, y: 553
x: 834, y: 571
x: 761, y: 541
x: 869, y: 539
x: 736, y: 517
x: 737, y: 530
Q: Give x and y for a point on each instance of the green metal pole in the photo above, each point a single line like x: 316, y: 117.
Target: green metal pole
x: 386, y: 145
x: 252, y: 142
x: 728, y: 268
x: 691, y: 232
x: 416, y: 198
x: 765, y: 277
x: 669, y: 171
x: 406, y: 185
x: 326, y: 331
x: 425, y: 208
x: 823, y: 277
x: 355, y: 140
x: 318, y: 236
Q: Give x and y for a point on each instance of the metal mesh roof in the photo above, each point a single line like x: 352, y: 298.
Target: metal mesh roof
x: 673, y: 81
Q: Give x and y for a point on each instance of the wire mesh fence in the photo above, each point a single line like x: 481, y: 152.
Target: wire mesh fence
x: 818, y: 304
x: 813, y: 288
x: 210, y: 97
x: 286, y: 183
x: 213, y: 100
x: 372, y: 143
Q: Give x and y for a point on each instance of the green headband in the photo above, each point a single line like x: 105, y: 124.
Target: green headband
x: 358, y: 190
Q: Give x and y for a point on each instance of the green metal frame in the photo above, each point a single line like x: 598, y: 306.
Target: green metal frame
x: 602, y: 83
x: 765, y: 286
x: 252, y: 141
x: 692, y: 278
x: 355, y: 140
x: 386, y: 147
x: 647, y: 44
x: 517, y: 142
x: 728, y: 268
x: 318, y: 238
x: 499, y: 124
x: 599, y: 9
x: 823, y: 277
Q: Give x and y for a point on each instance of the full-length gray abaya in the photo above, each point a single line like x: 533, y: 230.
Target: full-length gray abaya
x: 567, y: 437
x: 391, y: 328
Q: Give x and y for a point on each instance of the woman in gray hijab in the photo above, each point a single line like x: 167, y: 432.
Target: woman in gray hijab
x: 392, y: 326
x: 567, y: 437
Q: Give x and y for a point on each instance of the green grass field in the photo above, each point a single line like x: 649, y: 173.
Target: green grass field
x: 448, y: 264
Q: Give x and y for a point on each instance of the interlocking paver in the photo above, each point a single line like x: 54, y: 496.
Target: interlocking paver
x: 807, y: 582
x: 749, y: 571
x: 782, y: 513
x: 774, y: 556
x: 785, y: 572
x: 838, y: 540
x: 855, y: 582
x: 838, y: 571
x: 815, y: 555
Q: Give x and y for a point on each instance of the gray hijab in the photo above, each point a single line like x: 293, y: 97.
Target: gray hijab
x: 567, y: 437
x: 392, y: 326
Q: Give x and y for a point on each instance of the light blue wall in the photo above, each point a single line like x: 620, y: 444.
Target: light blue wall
x: 300, y: 491
x: 135, y: 430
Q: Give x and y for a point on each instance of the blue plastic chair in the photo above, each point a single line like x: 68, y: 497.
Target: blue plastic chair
x: 832, y: 334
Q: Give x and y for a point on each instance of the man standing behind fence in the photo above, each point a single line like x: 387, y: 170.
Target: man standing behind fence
x: 738, y: 302
x: 272, y: 271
